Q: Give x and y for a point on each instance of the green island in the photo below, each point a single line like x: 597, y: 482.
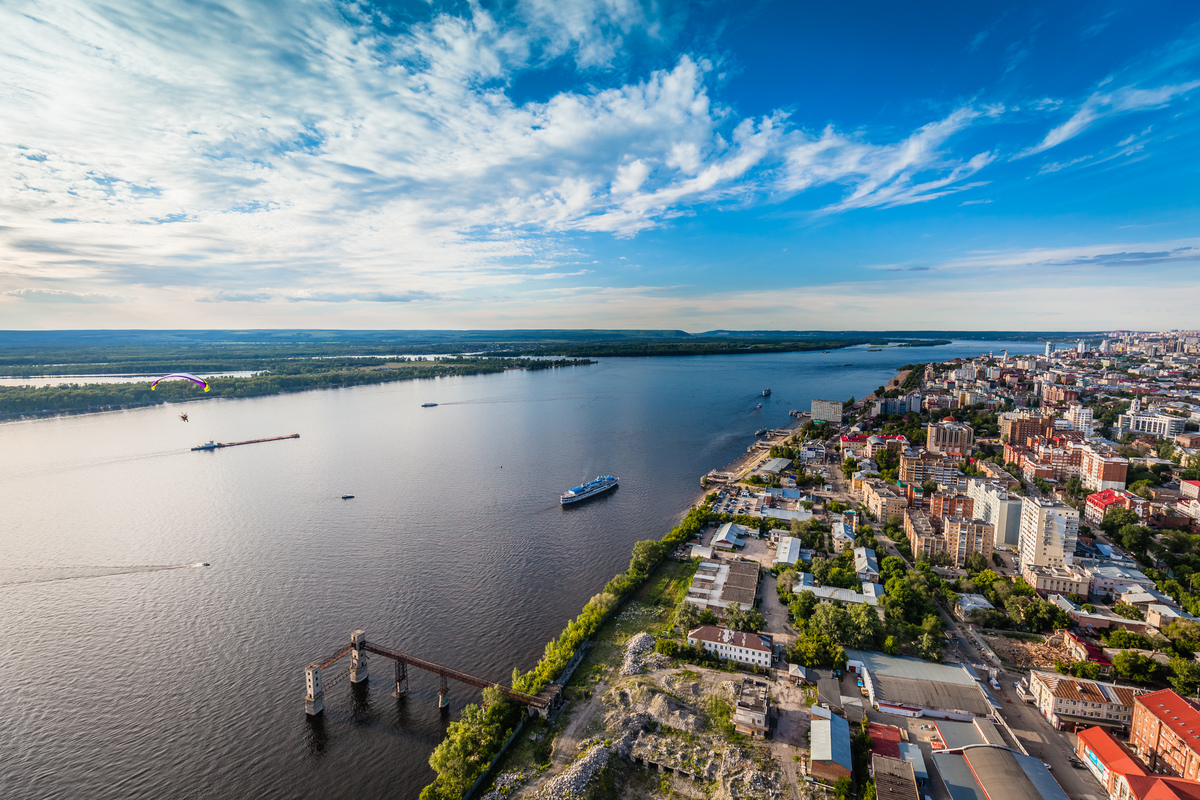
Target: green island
x: 276, y: 377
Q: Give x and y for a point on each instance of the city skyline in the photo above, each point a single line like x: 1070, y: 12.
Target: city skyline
x: 599, y: 164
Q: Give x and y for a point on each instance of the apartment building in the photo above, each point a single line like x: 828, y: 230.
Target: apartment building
x: 1048, y: 533
x: 882, y: 499
x: 1100, y: 468
x: 1070, y: 703
x: 950, y: 504
x: 731, y: 645
x: 1165, y: 734
x: 1020, y: 426
x: 922, y: 537
x: 1080, y: 418
x: 965, y: 536
x: 1057, y: 393
x: 998, y: 507
x: 950, y: 437
x: 1047, y: 580
x: 916, y: 468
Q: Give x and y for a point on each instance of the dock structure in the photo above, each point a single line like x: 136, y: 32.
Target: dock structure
x: 314, y: 699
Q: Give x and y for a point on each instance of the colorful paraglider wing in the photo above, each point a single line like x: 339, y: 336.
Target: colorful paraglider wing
x: 184, y: 375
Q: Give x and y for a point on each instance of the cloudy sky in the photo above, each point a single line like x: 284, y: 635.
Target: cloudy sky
x: 599, y: 163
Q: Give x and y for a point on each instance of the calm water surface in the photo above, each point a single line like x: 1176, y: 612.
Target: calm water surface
x: 126, y: 681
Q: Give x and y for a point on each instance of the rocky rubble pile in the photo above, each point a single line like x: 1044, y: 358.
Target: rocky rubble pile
x: 507, y: 784
x: 572, y: 784
x: 635, y: 653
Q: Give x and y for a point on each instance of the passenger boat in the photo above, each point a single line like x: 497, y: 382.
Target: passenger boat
x: 766, y: 393
x: 210, y: 445
x: 601, y: 484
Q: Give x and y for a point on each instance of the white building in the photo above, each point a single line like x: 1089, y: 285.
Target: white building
x: 1068, y: 702
x: 731, y: 645
x: 1048, y: 533
x: 1149, y: 423
x: 1080, y: 418
x: 866, y: 565
x: 998, y: 507
x: 788, y: 551
x: 827, y: 410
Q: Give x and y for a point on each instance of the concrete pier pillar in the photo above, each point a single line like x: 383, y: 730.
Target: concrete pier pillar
x: 401, y: 680
x: 358, y: 657
x: 314, y: 697
x: 443, y: 693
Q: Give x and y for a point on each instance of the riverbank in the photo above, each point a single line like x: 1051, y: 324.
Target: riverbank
x: 24, y: 402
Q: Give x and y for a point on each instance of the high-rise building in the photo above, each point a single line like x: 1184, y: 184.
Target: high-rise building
x: 1081, y: 348
x: 827, y: 410
x: 949, y: 437
x: 1048, y: 533
x: 1080, y: 418
x: 995, y: 505
x: 966, y: 536
x: 1049, y: 348
x: 950, y: 504
x: 1101, y: 469
x: 1105, y: 347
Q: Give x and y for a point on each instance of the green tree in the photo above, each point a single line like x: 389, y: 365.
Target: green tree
x: 976, y: 563
x: 687, y: 616
x: 1117, y: 518
x: 803, y: 606
x: 1135, y: 667
x: 1185, y: 676
x: 866, y: 629
x: 751, y: 621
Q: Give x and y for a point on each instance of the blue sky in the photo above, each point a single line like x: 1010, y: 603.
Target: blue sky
x: 602, y: 163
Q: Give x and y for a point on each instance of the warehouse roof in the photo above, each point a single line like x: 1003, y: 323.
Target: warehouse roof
x: 989, y: 772
x: 829, y: 738
x: 894, y: 779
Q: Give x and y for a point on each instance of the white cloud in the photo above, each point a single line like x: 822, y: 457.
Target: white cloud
x: 62, y: 296
x: 1107, y: 104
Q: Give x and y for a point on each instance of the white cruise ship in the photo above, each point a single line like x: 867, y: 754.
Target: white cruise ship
x: 590, y: 489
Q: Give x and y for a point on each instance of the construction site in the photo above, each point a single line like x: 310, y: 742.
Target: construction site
x: 1029, y: 651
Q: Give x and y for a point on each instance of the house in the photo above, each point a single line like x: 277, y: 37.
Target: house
x: 751, y: 709
x: 1083, y: 650
x: 730, y: 645
x: 966, y: 603
x: 787, y: 552
x: 1070, y: 703
x: 829, y: 746
x: 729, y: 536
x: 1160, y: 615
x: 800, y: 675
x: 1106, y: 577
x: 865, y: 564
x: 843, y: 537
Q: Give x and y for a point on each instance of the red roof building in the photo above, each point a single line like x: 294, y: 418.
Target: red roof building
x: 1166, y: 734
x: 885, y: 740
x: 1099, y: 503
x: 1123, y: 776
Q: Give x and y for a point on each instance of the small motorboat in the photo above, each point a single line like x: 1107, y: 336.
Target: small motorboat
x: 428, y: 405
x: 207, y: 564
x: 347, y: 497
x: 759, y: 405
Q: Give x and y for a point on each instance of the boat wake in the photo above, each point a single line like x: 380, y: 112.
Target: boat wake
x: 15, y: 576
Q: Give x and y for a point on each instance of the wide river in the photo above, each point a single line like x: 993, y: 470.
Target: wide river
x: 121, y: 680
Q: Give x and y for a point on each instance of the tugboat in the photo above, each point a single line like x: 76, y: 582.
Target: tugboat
x: 766, y: 393
x: 210, y: 445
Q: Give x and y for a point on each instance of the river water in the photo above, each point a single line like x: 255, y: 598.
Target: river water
x: 123, y: 679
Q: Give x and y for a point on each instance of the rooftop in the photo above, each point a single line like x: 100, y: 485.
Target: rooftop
x: 829, y: 738
x: 1068, y: 688
x: 894, y: 778
x: 714, y: 633
x: 1175, y: 713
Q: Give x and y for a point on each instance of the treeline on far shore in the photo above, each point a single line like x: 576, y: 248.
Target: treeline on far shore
x: 26, y: 401
x: 713, y: 348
